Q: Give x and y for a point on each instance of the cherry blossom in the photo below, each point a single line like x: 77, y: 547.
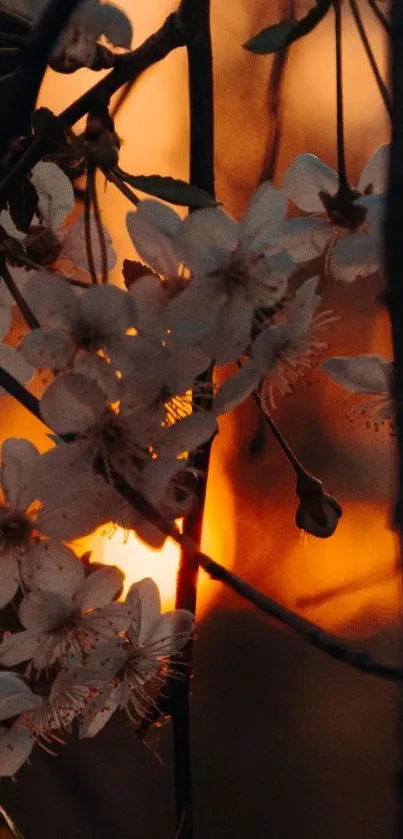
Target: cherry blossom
x: 349, y: 221
x: 280, y: 352
x: 236, y: 269
x: 78, y: 332
x: 77, y: 45
x: 128, y: 671
x: 66, y: 612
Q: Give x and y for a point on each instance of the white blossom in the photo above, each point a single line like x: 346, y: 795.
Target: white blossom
x: 349, y: 222
x: 234, y: 271
x: 78, y: 332
x: 92, y: 20
x: 280, y: 352
x: 128, y: 671
x: 67, y: 612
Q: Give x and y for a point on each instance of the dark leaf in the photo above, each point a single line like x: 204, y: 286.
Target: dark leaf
x: 133, y: 271
x: 22, y: 205
x: 170, y: 189
x: 283, y: 34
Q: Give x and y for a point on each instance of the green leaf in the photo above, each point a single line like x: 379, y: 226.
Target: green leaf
x: 282, y: 34
x: 22, y: 205
x: 271, y: 39
x: 170, y: 189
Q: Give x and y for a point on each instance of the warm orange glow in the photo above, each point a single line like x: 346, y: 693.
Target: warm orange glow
x: 137, y: 560
x: 349, y: 580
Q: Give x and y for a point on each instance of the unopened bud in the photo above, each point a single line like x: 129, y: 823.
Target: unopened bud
x: 318, y: 513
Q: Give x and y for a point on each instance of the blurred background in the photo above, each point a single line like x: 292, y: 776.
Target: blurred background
x: 285, y: 741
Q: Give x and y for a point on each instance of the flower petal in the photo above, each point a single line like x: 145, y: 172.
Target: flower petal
x: 206, y: 239
x: 193, y: 313
x: 52, y: 300
x: 75, y: 247
x: 47, y: 348
x: 20, y: 647
x: 15, y: 747
x: 171, y: 633
x: 375, y: 172
x: 15, y: 696
x: 42, y: 611
x: 303, y: 307
x: 264, y: 215
x: 109, y: 309
x: 99, y: 712
x: 150, y: 300
x: 305, y: 238
x: 100, y: 371
x: 145, y: 601
x: 271, y: 274
x: 72, y: 403
x: 81, y: 502
x: 5, y: 320
x: 355, y: 255
x: 367, y: 373
x: 99, y: 588
x: 15, y: 364
x: 55, y: 192
x: 9, y: 578
x: 236, y: 389
x: 160, y: 215
x: 153, y: 246
x: 305, y: 178
x: 19, y: 459
x: 53, y: 568
x: 190, y: 433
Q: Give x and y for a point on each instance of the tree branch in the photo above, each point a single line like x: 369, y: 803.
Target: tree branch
x: 194, y: 16
x: 169, y: 37
x: 22, y: 90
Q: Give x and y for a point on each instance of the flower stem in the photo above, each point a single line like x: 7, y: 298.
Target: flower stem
x: 380, y: 15
x: 89, y: 191
x: 341, y: 157
x: 383, y: 90
x: 113, y: 176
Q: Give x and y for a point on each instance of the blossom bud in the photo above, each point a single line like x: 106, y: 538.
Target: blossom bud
x: 318, y: 513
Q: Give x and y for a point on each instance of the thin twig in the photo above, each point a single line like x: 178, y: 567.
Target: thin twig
x: 87, y: 225
x: 383, y: 90
x: 341, y: 154
x: 380, y: 15
x: 112, y: 176
x: 99, y: 226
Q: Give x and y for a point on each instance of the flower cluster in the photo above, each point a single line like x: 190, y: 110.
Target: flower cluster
x: 129, y: 403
